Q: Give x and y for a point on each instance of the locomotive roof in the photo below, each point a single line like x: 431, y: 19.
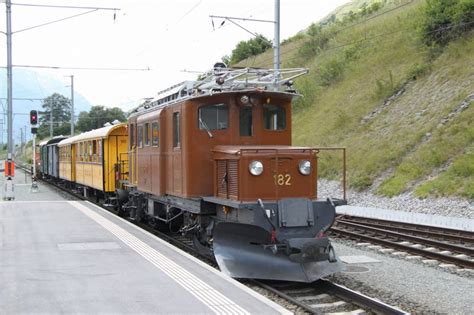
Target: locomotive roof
x: 93, y: 134
x: 225, y: 80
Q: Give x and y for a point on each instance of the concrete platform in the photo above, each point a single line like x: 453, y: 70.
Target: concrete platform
x: 74, y: 257
x: 408, y: 217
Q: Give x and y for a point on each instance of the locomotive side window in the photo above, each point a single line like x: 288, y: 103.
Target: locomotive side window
x: 214, y: 117
x: 140, y: 136
x: 274, y: 117
x: 245, y: 116
x: 155, y: 132
x: 147, y: 134
x: 176, y: 131
x: 132, y: 136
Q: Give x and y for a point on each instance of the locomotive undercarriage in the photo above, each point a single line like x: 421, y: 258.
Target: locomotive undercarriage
x: 282, y: 240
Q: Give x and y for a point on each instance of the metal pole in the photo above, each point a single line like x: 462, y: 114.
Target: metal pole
x: 21, y: 140
x: 9, y: 80
x: 51, y: 120
x: 33, y: 161
x: 72, y: 105
x: 276, y: 50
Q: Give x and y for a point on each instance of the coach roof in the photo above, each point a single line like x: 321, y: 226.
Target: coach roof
x: 93, y: 134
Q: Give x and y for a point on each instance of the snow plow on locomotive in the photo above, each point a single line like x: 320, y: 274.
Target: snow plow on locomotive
x: 213, y: 160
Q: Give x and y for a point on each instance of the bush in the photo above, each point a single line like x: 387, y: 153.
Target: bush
x: 317, y: 39
x: 332, y: 71
x: 418, y: 70
x: 445, y: 20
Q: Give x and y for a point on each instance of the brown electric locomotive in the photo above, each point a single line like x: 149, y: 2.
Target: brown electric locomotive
x: 213, y: 160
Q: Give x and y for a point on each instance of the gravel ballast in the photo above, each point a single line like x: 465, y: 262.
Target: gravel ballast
x: 410, y: 285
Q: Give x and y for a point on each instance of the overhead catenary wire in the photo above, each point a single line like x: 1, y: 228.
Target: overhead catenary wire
x: 61, y: 6
x: 350, y: 26
x: 79, y: 68
x: 383, y: 35
x: 55, y: 21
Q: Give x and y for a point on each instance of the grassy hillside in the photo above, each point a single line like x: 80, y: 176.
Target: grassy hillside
x: 404, y: 111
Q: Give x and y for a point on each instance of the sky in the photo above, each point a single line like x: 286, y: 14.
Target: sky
x: 171, y: 38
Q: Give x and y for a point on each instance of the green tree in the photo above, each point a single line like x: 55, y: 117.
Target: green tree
x: 252, y: 47
x: 98, y: 116
x: 58, y: 107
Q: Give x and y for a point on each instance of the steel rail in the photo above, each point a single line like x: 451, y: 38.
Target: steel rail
x: 358, y: 298
x: 416, y: 227
x: 421, y: 240
x: 442, y: 257
x: 427, y: 232
x: 287, y: 297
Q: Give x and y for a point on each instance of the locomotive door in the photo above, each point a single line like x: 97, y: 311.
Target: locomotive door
x: 246, y: 125
x: 176, y: 152
x: 132, y: 154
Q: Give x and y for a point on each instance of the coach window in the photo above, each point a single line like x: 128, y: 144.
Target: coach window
x: 140, y: 136
x: 213, y: 117
x: 245, y: 118
x: 99, y: 150
x: 155, y: 134
x: 80, y: 151
x: 94, y: 151
x: 176, y: 131
x: 274, y: 117
x: 90, y: 152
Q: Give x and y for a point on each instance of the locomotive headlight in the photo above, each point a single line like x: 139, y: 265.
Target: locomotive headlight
x: 304, y: 167
x: 244, y: 99
x: 256, y: 168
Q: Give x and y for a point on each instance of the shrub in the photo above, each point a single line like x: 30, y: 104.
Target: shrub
x: 332, y: 71
x: 445, y: 20
x: 418, y: 70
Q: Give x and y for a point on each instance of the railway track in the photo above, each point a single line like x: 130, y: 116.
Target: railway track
x: 326, y: 297
x: 320, y: 297
x: 444, y: 245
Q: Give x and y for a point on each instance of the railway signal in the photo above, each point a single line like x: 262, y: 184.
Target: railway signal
x: 33, y: 117
x: 34, y: 131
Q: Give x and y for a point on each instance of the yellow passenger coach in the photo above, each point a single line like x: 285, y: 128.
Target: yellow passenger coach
x: 90, y: 159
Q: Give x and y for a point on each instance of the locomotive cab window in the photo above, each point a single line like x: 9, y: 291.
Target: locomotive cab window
x: 213, y: 117
x: 274, y: 117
